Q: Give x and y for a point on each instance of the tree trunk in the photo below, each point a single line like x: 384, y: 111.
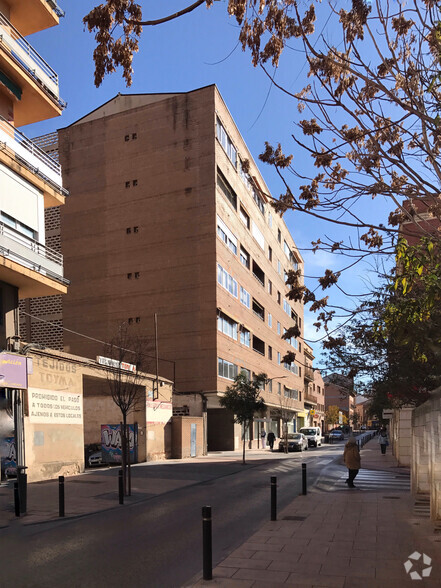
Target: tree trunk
x: 124, y: 452
x: 129, y: 471
x: 243, y: 444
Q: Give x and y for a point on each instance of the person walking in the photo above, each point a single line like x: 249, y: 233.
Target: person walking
x: 271, y: 438
x: 351, y: 458
x: 263, y: 437
x: 383, y: 440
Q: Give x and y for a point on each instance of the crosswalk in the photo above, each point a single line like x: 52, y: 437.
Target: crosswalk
x: 378, y: 480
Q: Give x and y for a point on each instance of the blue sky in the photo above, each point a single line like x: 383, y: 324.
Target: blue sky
x: 196, y: 50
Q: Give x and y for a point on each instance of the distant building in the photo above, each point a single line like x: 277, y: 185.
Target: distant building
x: 314, y: 391
x: 339, y: 391
x: 169, y: 215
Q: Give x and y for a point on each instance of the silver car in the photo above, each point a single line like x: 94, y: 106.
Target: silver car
x: 296, y: 442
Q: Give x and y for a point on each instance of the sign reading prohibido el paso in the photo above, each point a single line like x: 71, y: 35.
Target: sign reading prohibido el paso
x: 13, y: 371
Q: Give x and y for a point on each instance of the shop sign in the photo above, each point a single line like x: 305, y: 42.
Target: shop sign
x: 158, y: 411
x: 13, y: 371
x: 122, y: 365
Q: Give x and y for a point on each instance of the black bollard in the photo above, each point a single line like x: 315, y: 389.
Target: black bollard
x: 16, y: 500
x: 22, y: 480
x: 304, y: 479
x: 273, y: 498
x: 121, y: 487
x: 207, y: 555
x: 61, y: 496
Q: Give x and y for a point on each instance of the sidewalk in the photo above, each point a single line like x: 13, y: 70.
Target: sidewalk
x: 342, y: 538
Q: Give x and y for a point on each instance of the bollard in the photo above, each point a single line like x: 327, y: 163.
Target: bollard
x: 22, y: 481
x: 16, y: 500
x: 61, y: 496
x: 273, y: 498
x: 207, y: 555
x: 121, y: 487
x: 304, y: 490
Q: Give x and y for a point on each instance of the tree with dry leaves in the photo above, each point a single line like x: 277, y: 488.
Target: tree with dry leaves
x: 368, y: 120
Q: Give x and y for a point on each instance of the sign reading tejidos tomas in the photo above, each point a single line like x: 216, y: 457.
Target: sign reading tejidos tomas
x: 13, y: 371
x: 55, y: 408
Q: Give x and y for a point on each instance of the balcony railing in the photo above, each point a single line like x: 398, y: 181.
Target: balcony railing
x: 58, y: 11
x: 310, y: 398
x: 30, y: 253
x: 26, y: 55
x: 309, y: 374
x: 38, y: 161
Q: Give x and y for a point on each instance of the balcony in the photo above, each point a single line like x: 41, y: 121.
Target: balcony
x: 30, y: 155
x: 309, y: 373
x: 30, y: 253
x: 35, y: 15
x: 26, y: 57
x: 310, y: 398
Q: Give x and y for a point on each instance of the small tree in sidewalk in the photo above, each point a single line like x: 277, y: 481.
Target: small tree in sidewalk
x: 243, y: 399
x: 127, y: 354
x: 332, y: 415
x: 285, y: 412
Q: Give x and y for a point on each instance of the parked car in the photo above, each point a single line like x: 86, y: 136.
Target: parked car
x: 337, y: 434
x: 313, y: 434
x: 296, y: 442
x: 95, y: 459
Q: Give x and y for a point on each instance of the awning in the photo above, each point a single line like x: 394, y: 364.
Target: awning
x: 16, y: 90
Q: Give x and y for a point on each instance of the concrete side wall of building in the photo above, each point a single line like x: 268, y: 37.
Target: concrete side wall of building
x: 426, y: 455
x: 54, y: 419
x: 400, y: 431
x: 182, y: 427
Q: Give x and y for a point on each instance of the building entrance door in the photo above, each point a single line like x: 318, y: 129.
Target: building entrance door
x: 193, y: 440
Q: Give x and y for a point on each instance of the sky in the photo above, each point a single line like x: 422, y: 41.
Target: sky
x: 190, y: 52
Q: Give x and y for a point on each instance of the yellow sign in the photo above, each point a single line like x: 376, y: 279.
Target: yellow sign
x: 312, y: 412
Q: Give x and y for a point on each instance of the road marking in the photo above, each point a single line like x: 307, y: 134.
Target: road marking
x: 377, y: 480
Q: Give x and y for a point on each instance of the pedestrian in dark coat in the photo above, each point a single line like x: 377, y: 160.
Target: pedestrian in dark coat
x: 351, y: 457
x: 271, y: 438
x: 383, y: 440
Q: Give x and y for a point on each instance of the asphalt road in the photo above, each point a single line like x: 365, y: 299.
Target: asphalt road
x: 157, y: 542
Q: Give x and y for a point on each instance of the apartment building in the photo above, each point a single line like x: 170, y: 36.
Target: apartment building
x: 30, y: 183
x: 169, y: 215
x: 339, y: 391
x: 314, y: 391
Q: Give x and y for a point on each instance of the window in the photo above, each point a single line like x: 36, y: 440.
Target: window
x: 270, y: 386
x: 279, y: 298
x: 134, y: 136
x: 270, y: 253
x: 286, y: 308
x: 279, y: 236
x: 226, y: 142
x: 244, y: 217
x: 279, y: 389
x: 129, y: 230
x: 245, y: 297
x: 287, y: 250
x: 258, y: 310
x: 279, y: 267
x: 245, y: 337
x: 270, y: 287
x: 258, y: 345
x: 226, y: 235
x: 226, y: 369
x: 128, y: 184
x: 270, y: 220
x: 258, y: 273
x: 135, y: 182
x: 270, y: 320
x: 278, y: 328
x: 227, y: 326
x: 270, y: 352
x: 278, y: 357
x: 258, y: 200
x: 135, y: 229
x: 257, y: 234
x: 245, y: 257
x: 291, y: 393
x: 127, y: 137
x: 226, y: 280
x: 129, y: 276
x: 292, y: 368
x: 138, y: 319
x: 246, y: 373
x: 137, y: 274
x: 226, y: 189
x: 244, y: 176
x: 130, y: 321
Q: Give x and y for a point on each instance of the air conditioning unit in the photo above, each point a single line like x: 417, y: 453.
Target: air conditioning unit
x: 14, y: 343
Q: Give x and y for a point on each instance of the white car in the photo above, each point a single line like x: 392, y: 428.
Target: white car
x: 296, y: 442
x: 95, y: 459
x: 313, y: 434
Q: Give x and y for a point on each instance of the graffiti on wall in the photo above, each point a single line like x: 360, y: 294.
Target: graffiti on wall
x: 111, y: 443
x: 8, y: 457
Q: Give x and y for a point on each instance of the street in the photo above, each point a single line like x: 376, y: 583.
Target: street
x: 157, y: 542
